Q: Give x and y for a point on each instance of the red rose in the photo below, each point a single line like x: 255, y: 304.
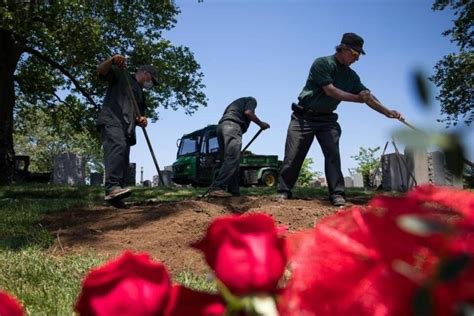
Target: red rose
x: 129, y: 285
x: 449, y: 211
x: 185, y: 302
x: 245, y: 252
x: 9, y: 306
x: 375, y: 260
x: 338, y: 270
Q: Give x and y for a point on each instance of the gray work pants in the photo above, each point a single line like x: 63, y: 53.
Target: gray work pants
x: 229, y: 136
x: 116, y: 156
x: 301, y: 133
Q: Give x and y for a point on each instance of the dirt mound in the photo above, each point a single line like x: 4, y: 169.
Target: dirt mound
x: 166, y: 229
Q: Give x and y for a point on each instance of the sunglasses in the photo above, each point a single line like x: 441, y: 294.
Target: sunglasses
x: 354, y: 53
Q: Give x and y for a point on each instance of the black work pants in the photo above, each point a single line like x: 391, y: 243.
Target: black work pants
x: 116, y: 156
x: 301, y: 133
x: 229, y: 136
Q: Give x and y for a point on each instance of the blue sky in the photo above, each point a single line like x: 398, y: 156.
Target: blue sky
x: 264, y: 49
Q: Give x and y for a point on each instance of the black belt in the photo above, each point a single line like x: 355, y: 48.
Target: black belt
x: 302, y: 110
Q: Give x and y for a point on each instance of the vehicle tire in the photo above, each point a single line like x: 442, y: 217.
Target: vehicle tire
x: 269, y: 178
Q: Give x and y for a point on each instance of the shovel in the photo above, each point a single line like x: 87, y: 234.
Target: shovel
x: 137, y: 110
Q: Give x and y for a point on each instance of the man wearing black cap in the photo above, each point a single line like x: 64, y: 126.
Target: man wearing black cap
x: 117, y: 121
x: 330, y: 81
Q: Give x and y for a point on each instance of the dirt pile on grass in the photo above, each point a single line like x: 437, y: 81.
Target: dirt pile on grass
x: 166, y: 229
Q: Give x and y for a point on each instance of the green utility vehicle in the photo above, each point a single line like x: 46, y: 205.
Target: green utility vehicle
x: 198, y: 162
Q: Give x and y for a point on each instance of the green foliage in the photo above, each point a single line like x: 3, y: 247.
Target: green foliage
x: 306, y: 175
x: 453, y: 74
x: 65, y: 41
x: 54, y: 47
x: 43, y: 133
x: 368, y: 163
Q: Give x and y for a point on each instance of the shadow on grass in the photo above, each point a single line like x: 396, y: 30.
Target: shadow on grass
x: 85, y: 225
x: 23, y: 208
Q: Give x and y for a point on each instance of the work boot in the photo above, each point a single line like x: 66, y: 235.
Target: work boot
x: 118, y: 194
x: 285, y: 195
x: 219, y: 193
x: 117, y: 203
x: 337, y: 200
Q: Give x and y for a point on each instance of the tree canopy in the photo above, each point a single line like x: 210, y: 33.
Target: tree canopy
x: 454, y: 73
x: 50, y: 51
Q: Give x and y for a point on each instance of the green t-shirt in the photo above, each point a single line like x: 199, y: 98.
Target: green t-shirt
x: 235, y: 112
x: 324, y: 71
x: 118, y: 109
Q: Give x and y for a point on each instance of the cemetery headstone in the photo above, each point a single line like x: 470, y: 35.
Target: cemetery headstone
x: 348, y: 182
x: 69, y: 168
x: 130, y: 177
x: 96, y: 178
x: 394, y: 173
x: 358, y: 180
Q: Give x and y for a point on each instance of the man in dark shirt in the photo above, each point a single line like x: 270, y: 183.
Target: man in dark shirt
x: 117, y: 121
x: 330, y: 81
x: 233, y: 124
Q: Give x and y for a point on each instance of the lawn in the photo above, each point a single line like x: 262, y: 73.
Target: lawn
x: 45, y: 280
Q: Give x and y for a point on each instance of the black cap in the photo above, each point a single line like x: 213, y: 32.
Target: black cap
x: 354, y: 41
x: 152, y: 71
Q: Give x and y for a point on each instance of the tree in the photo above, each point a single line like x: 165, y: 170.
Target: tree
x: 50, y: 50
x: 367, y: 163
x: 40, y: 136
x: 306, y: 173
x: 453, y: 73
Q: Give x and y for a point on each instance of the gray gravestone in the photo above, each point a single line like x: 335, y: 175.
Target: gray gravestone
x: 166, y: 175
x: 394, y: 173
x: 97, y: 178
x: 376, y: 179
x: 436, y: 169
x: 358, y: 180
x: 417, y: 164
x: 438, y: 174
x: 69, y: 169
x: 348, y: 182
x: 130, y: 178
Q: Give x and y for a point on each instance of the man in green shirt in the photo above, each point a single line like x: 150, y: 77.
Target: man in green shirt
x: 234, y: 123
x: 330, y: 81
x: 118, y: 118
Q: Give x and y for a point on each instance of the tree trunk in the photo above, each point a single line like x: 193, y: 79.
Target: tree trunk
x: 9, y: 56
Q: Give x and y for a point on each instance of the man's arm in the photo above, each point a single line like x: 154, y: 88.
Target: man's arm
x: 339, y: 94
x: 104, y: 67
x: 254, y: 118
x: 376, y: 105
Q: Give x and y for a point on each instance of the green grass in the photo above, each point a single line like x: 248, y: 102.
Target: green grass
x: 50, y: 285
x: 47, y: 284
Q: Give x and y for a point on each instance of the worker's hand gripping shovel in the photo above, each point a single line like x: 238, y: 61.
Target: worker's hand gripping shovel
x: 136, y: 110
x: 212, y: 186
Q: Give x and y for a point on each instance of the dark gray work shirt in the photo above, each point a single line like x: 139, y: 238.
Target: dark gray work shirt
x: 324, y: 71
x: 118, y: 109
x: 235, y: 112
